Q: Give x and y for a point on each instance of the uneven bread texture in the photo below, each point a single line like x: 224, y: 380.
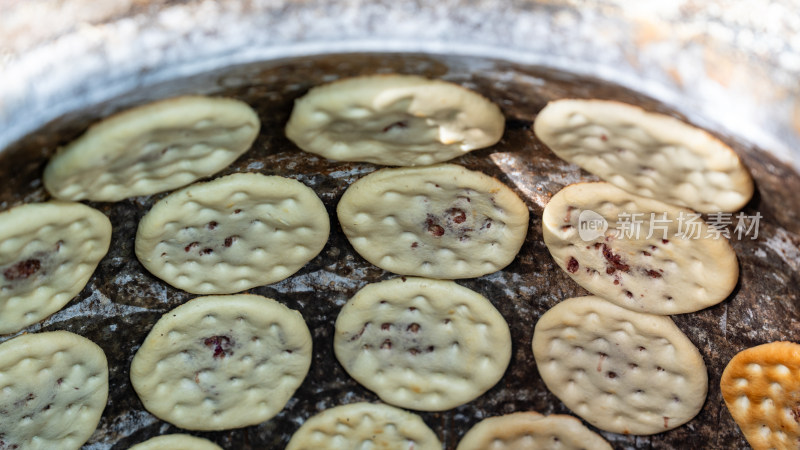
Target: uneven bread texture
x: 152, y: 148
x: 761, y: 388
x: 621, y: 371
x: 53, y: 389
x: 444, y: 221
x: 422, y: 344
x: 666, y: 273
x: 176, y: 442
x: 362, y: 426
x: 48, y: 252
x: 233, y: 233
x: 531, y: 431
x: 397, y: 120
x: 222, y: 362
x: 645, y: 153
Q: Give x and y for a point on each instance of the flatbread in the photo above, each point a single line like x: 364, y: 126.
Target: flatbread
x: 531, y: 431
x: 647, y: 154
x: 621, y: 371
x: 176, y: 442
x: 233, y: 233
x: 761, y: 388
x: 222, y: 362
x: 422, y: 344
x: 444, y: 221
x: 152, y: 148
x: 53, y: 389
x: 672, y: 271
x: 48, y: 252
x: 397, y: 120
x: 364, y: 426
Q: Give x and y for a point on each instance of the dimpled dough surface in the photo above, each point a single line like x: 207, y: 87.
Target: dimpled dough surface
x: 398, y: 120
x: 422, y: 344
x: 221, y: 362
x: 444, y: 221
x: 53, y: 389
x: 152, y: 148
x: 656, y: 275
x: 176, y: 442
x: 364, y: 426
x: 648, y: 154
x: 531, y: 431
x: 761, y: 388
x: 233, y: 233
x: 621, y: 371
x: 48, y: 252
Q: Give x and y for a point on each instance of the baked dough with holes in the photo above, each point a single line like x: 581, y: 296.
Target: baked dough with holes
x: 53, y: 389
x: 422, y: 344
x: 176, y: 442
x: 152, y: 148
x: 444, y: 221
x: 233, y: 233
x: 48, y: 252
x: 531, y: 431
x: 677, y: 264
x: 761, y: 388
x: 621, y: 371
x: 396, y: 120
x: 646, y: 153
x: 219, y: 362
x: 364, y: 425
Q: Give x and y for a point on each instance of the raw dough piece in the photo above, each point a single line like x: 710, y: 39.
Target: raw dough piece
x: 364, y: 425
x: 176, y: 442
x: 440, y: 221
x: 666, y: 273
x: 531, y: 431
x: 422, y: 344
x: 53, y: 389
x: 221, y: 362
x: 645, y: 153
x: 621, y: 371
x: 761, y: 388
x: 233, y: 233
x: 397, y: 120
x: 48, y: 252
x: 152, y: 148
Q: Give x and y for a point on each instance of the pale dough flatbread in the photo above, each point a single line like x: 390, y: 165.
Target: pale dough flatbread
x: 176, y: 442
x: 440, y: 221
x: 232, y: 233
x: 761, y: 388
x: 665, y: 273
x: 152, y: 148
x: 621, y: 371
x: 397, y: 120
x: 48, y: 252
x: 645, y: 153
x: 53, y: 389
x: 531, y: 431
x: 222, y: 362
x: 364, y: 426
x: 422, y: 344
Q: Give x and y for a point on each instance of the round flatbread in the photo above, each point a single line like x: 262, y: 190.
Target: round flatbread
x: 645, y: 153
x: 364, y: 425
x: 397, y: 120
x: 621, y: 371
x: 53, y: 389
x: 444, y: 221
x: 152, y: 148
x: 176, y: 442
x: 233, y: 233
x: 48, y: 252
x: 422, y: 344
x: 222, y: 362
x: 531, y: 431
x: 638, y: 252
